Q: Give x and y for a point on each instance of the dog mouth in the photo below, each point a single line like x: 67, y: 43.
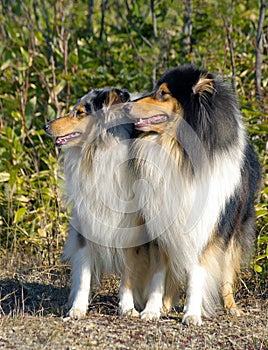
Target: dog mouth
x: 154, y: 120
x: 63, y: 140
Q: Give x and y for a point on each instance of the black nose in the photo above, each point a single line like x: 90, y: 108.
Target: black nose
x: 127, y: 107
x: 46, y: 128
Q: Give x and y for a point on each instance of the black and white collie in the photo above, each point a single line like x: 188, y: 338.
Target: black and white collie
x: 199, y: 178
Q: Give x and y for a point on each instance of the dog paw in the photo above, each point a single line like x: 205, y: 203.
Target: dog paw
x: 192, y: 319
x: 76, y: 314
x: 234, y: 311
x: 129, y: 313
x: 150, y: 315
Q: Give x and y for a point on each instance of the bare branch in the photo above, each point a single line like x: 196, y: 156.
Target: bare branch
x: 259, y: 50
x: 89, y: 17
x: 154, y: 19
x: 187, y: 27
x: 103, y: 10
x: 231, y: 48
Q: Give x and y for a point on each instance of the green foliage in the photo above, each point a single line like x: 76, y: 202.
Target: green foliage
x: 51, y: 53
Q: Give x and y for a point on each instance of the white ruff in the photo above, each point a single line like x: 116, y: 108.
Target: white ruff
x: 101, y: 195
x: 182, y: 210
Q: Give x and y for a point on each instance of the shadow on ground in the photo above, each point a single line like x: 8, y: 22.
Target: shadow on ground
x: 39, y: 292
x: 31, y: 298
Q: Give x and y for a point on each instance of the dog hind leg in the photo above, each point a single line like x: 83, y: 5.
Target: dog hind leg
x: 231, y: 266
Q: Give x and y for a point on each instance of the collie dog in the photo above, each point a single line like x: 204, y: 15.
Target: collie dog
x: 200, y: 175
x: 106, y: 233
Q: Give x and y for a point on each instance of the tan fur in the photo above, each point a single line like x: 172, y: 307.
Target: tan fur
x: 74, y: 121
x: 142, y: 263
x: 114, y: 99
x: 224, y: 263
x: 204, y: 85
x: 172, y: 289
x: 64, y: 125
x: 231, y: 267
x: 161, y: 103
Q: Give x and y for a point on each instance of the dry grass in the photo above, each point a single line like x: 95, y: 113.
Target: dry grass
x: 32, y: 298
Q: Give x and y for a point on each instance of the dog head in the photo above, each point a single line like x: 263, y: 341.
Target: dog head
x: 177, y: 92
x: 68, y: 129
x: 188, y: 96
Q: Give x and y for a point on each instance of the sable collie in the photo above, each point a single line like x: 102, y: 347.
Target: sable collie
x: 200, y: 176
x: 106, y: 233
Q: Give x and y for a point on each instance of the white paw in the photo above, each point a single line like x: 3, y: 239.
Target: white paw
x: 149, y: 315
x: 128, y: 312
x: 234, y: 311
x: 77, y: 313
x: 195, y: 320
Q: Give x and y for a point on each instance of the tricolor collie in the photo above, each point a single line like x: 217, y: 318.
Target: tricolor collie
x: 200, y: 176
x: 106, y: 233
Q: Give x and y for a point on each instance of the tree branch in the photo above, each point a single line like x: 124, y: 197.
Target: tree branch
x: 187, y: 27
x: 231, y: 48
x: 259, y: 50
x: 154, y: 19
x: 89, y: 17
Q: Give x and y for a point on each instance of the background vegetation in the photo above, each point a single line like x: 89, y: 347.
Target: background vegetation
x: 53, y: 52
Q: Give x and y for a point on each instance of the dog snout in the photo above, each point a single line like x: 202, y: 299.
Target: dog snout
x: 47, y: 128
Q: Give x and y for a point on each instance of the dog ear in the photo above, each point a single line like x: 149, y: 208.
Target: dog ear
x: 204, y: 84
x: 118, y: 96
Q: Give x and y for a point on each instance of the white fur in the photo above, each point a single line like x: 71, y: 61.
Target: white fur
x: 101, y: 195
x: 101, y: 191
x: 195, y: 291
x: 182, y: 211
x: 81, y: 280
x: 154, y: 303
x: 126, y: 302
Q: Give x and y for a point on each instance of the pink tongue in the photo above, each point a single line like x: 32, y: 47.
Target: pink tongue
x: 62, y: 140
x: 156, y: 119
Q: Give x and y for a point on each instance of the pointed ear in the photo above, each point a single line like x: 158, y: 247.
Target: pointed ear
x: 118, y: 96
x: 114, y: 98
x: 204, y: 84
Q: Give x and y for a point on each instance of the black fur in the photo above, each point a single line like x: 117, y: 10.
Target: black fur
x: 214, y: 155
x: 97, y: 98
x: 213, y: 116
x: 238, y: 216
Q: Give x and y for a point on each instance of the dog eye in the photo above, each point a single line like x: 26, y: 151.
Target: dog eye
x: 79, y: 113
x: 162, y: 93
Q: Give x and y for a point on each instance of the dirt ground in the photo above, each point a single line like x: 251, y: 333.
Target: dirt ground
x: 32, y: 298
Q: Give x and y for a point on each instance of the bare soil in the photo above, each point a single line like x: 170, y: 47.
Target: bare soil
x: 33, y: 295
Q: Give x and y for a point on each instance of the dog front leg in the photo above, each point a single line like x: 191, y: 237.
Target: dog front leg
x: 128, y: 279
x: 154, y: 303
x: 80, y: 283
x: 126, y: 303
x: 194, y: 297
